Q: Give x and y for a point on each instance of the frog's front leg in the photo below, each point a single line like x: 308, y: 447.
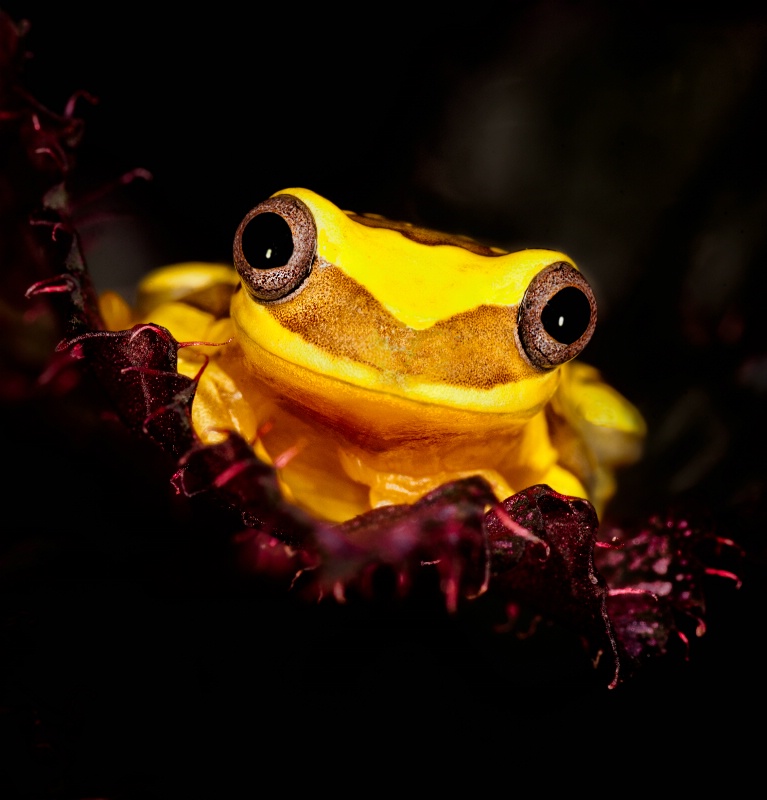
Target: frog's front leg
x: 388, y: 487
x: 595, y: 430
x: 533, y: 458
x: 509, y: 461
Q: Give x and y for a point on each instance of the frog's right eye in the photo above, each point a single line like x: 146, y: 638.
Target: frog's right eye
x: 274, y: 247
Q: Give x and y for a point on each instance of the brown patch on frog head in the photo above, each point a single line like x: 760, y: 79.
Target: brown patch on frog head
x: 474, y: 349
x: 425, y: 235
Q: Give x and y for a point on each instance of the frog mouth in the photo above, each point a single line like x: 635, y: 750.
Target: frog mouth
x: 358, y: 394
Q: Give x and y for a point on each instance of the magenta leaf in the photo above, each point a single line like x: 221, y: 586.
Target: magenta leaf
x: 441, y: 534
x: 230, y: 474
x: 542, y: 546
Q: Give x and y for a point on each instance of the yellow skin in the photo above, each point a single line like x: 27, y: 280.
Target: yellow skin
x: 395, y: 366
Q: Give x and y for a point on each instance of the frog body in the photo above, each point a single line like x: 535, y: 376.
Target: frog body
x: 370, y: 361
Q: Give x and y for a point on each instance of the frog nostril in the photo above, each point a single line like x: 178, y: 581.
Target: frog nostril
x: 556, y: 317
x: 274, y: 248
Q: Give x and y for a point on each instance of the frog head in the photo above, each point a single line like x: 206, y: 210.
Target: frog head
x: 334, y: 304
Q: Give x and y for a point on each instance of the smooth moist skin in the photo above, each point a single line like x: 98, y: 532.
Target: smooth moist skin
x: 370, y: 361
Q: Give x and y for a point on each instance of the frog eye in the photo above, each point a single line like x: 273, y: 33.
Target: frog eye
x: 557, y: 316
x: 274, y: 247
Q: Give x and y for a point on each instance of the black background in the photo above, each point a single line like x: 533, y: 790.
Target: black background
x: 626, y: 135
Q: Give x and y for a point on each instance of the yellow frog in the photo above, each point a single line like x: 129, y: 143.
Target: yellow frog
x: 370, y: 361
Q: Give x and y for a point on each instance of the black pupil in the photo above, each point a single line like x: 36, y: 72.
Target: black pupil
x: 566, y: 316
x: 267, y: 241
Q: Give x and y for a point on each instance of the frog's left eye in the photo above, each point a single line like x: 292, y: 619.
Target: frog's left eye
x: 557, y: 316
x: 274, y: 247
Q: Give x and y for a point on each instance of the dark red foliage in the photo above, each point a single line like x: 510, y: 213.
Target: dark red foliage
x: 138, y: 369
x: 655, y: 573
x: 442, y: 532
x: 542, y: 545
x: 36, y: 156
x: 230, y: 472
